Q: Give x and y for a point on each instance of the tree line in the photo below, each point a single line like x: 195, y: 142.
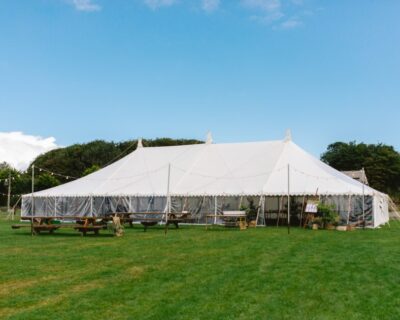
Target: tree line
x: 381, y: 163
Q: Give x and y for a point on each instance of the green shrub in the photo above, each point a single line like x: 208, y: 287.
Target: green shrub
x: 328, y: 214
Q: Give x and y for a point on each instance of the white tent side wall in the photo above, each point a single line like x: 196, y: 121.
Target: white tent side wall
x: 381, y: 209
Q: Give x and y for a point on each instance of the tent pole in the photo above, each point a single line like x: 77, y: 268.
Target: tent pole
x: 91, y: 206
x: 288, y: 196
x: 55, y: 206
x: 263, y: 209
x: 258, y: 210
x: 279, y: 209
x: 215, y: 209
x: 302, y: 210
x: 168, y: 195
x: 33, y: 201
x: 9, y: 194
x: 185, y: 203
x: 363, y: 204
x: 168, y: 209
x: 349, y: 210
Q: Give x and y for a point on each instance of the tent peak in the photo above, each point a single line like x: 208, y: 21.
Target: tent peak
x: 139, y: 143
x: 209, y: 139
x: 288, y: 136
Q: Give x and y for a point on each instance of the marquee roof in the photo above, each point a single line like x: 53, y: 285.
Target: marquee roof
x: 254, y: 168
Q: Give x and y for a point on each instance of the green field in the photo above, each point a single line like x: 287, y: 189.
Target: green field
x: 192, y: 273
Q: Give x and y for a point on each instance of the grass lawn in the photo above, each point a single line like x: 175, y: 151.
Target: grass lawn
x: 192, y: 273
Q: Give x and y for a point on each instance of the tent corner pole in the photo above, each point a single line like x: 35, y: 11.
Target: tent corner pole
x: 349, y: 210
x: 262, y: 208
x: 258, y: 210
x: 288, y: 197
x: 9, y: 195
x: 91, y: 206
x: 363, y: 203
x: 215, y: 209
x: 168, y: 209
x: 32, y: 197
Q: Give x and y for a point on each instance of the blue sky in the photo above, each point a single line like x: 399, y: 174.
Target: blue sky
x: 247, y: 70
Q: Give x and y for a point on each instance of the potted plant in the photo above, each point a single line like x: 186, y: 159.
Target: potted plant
x: 329, y: 216
x: 316, y: 223
x: 251, y: 212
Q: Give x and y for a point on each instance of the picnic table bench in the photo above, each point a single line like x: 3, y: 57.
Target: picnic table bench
x: 91, y: 228
x: 38, y: 227
x: 89, y: 225
x: 148, y: 223
x: 51, y: 224
x: 149, y: 219
x: 176, y: 218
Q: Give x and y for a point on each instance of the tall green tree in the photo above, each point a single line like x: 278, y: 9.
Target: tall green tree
x: 18, y: 183
x: 381, y: 163
x: 45, y: 181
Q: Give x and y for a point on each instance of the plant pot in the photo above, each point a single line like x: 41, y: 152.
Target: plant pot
x: 315, y: 226
x: 243, y: 225
x: 252, y: 224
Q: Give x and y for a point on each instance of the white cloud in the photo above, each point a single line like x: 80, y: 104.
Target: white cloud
x: 19, y: 149
x: 265, y: 5
x: 279, y: 14
x: 298, y: 2
x: 155, y: 4
x: 85, y: 5
x: 268, y: 18
x: 269, y: 10
x: 210, y: 5
x: 291, y: 24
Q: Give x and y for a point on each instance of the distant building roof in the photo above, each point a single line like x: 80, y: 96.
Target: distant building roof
x: 358, y: 175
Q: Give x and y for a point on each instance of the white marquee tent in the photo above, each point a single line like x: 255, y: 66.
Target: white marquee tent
x: 208, y: 178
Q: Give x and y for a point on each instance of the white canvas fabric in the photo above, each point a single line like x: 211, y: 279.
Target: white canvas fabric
x: 231, y: 169
x: 207, y: 177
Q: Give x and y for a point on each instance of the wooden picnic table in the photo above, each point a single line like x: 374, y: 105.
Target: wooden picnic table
x: 149, y: 219
x: 83, y: 225
x: 91, y: 224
